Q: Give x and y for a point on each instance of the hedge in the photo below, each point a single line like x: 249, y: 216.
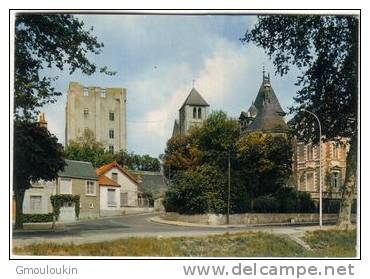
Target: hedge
x: 38, y: 218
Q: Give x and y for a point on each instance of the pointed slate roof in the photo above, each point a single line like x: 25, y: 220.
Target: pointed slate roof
x: 270, y: 115
x: 195, y: 99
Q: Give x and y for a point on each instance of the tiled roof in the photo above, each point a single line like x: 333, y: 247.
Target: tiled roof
x: 195, y: 99
x: 105, y: 181
x: 103, y: 169
x: 78, y: 169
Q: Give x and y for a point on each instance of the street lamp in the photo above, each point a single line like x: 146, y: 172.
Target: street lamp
x: 320, y: 178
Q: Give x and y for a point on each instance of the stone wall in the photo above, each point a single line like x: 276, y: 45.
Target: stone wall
x: 251, y: 218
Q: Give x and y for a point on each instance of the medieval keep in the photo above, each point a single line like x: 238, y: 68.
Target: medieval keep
x: 100, y: 110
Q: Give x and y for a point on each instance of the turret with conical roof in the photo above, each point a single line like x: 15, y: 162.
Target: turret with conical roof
x: 269, y: 116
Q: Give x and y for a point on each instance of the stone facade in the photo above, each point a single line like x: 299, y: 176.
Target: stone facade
x: 101, y: 110
x: 306, y: 167
x: 192, y: 113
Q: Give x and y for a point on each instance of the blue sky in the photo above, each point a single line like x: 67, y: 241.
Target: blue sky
x: 157, y: 57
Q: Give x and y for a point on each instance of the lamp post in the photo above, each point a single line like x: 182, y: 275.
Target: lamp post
x: 228, y: 190
x: 320, y: 176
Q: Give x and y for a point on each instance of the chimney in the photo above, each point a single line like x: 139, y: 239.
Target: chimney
x: 42, y: 120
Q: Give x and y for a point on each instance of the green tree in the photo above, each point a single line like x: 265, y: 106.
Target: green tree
x: 196, y: 191
x: 37, y: 155
x: 181, y: 154
x: 265, y: 162
x: 86, y: 148
x: 325, y: 50
x: 46, y: 41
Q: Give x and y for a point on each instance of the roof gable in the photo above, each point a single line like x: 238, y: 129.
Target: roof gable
x: 105, y: 168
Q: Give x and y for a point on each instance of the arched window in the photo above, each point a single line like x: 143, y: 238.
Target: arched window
x: 199, y: 113
x: 194, y: 113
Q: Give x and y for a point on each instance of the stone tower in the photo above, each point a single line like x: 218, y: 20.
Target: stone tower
x: 101, y: 110
x: 265, y: 113
x: 192, y: 113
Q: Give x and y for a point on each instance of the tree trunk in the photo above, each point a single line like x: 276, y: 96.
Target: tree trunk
x: 19, y: 197
x: 344, y: 219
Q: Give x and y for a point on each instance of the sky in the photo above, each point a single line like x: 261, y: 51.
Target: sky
x: 157, y: 57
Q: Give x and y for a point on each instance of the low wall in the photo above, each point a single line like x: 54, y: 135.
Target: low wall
x: 251, y: 218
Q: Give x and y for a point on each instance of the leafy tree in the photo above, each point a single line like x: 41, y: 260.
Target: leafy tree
x: 37, y: 155
x: 86, y: 148
x: 196, y: 191
x: 181, y: 154
x: 137, y: 162
x: 265, y: 162
x: 216, y: 139
x: 46, y: 41
x: 325, y: 50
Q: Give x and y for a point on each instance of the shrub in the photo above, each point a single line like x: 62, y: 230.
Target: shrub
x: 197, y: 191
x: 266, y: 204
x: 38, y: 218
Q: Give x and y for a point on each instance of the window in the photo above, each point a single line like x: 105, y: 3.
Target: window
x: 335, y: 179
x: 194, y: 113
x: 335, y: 151
x: 86, y: 91
x: 103, y: 93
x: 111, y: 116
x: 35, y: 204
x: 90, y: 188
x: 199, y: 113
x: 115, y: 176
x: 111, y: 149
x: 91, y: 205
x: 111, y: 197
x: 309, y: 181
x: 86, y: 113
x: 309, y: 152
x: 111, y: 134
x: 65, y: 186
x: 124, y: 199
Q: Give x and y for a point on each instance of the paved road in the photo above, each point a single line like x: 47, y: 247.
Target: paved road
x: 130, y: 226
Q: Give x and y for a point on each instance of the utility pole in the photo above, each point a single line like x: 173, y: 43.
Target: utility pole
x: 228, y: 191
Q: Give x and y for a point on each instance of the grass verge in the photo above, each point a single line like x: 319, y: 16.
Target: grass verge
x: 250, y: 244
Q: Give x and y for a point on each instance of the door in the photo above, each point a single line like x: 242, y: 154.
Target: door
x: 67, y: 212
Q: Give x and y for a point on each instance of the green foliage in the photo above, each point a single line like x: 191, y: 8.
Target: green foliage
x: 38, y: 218
x: 86, y: 148
x: 260, y: 166
x: 45, y: 41
x: 57, y: 201
x: 286, y: 200
x: 197, y: 191
x: 137, y: 162
x: 325, y: 49
x: 266, y: 162
x: 37, y: 155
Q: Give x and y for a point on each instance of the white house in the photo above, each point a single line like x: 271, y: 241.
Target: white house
x: 119, y: 189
